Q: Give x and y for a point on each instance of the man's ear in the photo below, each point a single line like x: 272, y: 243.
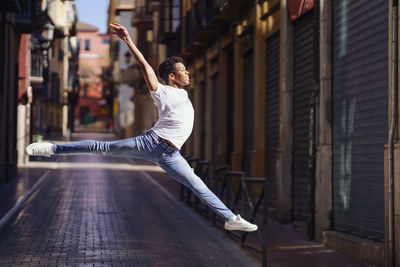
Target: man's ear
x: 170, y: 76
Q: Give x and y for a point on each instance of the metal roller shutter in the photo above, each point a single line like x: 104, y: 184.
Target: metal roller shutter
x: 202, y: 119
x: 216, y: 119
x: 248, y: 119
x: 229, y: 107
x: 272, y: 114
x: 302, y: 92
x: 360, y: 93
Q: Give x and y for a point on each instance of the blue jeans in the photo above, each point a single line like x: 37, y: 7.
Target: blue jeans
x: 152, y: 147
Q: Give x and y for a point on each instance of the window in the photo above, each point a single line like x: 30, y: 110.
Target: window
x: 53, y: 49
x: 78, y: 45
x: 53, y: 91
x: 171, y: 15
x: 105, y: 41
x: 36, y: 64
x: 85, y: 90
x: 87, y: 45
x: 61, y: 51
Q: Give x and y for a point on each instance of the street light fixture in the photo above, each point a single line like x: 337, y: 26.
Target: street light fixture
x: 42, y: 40
x: 48, y: 33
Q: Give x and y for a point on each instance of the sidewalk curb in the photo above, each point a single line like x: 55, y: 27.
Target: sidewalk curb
x: 19, y: 205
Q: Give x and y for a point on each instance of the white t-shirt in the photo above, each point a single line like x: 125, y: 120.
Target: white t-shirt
x: 176, y: 114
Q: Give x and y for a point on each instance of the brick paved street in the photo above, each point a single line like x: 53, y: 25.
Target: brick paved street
x: 94, y: 210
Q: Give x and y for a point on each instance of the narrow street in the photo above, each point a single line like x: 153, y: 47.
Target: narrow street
x: 93, y: 210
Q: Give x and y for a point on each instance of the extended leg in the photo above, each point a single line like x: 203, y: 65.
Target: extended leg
x: 176, y: 166
x: 138, y: 147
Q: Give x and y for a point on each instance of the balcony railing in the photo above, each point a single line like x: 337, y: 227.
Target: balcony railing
x: 199, y: 18
x: 24, y: 16
x: 38, y: 73
x: 30, y: 17
x: 144, y: 10
x: 207, y: 19
x: 10, y: 5
x: 37, y: 65
x: 146, y: 7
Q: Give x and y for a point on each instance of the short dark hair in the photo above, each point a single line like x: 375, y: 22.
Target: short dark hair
x: 168, y: 66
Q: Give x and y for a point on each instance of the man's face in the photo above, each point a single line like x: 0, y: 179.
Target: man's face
x: 181, y: 76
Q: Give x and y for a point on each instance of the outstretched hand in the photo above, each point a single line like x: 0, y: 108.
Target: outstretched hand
x: 147, y: 71
x: 120, y: 31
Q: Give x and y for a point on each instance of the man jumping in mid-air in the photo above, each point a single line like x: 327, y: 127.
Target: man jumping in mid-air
x: 161, y: 144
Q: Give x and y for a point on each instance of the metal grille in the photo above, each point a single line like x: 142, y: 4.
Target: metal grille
x: 216, y: 119
x: 203, y: 96
x: 302, y: 92
x: 170, y: 15
x: 248, y: 111
x: 229, y: 107
x: 25, y: 15
x: 360, y: 93
x: 272, y: 115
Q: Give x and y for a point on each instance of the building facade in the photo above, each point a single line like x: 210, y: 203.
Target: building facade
x: 32, y: 101
x: 9, y: 43
x: 53, y: 53
x: 52, y: 67
x: 303, y: 93
x: 297, y: 92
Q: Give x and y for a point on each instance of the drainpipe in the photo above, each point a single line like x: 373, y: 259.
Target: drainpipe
x: 389, y: 251
x: 312, y: 127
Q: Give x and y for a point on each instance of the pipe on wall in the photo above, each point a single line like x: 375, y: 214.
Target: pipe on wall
x: 389, y: 251
x: 312, y: 126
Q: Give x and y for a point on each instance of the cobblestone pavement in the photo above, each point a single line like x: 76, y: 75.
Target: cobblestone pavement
x: 97, y: 211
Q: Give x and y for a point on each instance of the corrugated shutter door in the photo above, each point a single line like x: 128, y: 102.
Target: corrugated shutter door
x: 272, y: 114
x: 202, y: 119
x: 216, y: 119
x: 229, y: 107
x: 248, y: 119
x: 302, y: 91
x: 360, y: 93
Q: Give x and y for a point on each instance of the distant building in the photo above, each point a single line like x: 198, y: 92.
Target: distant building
x: 93, y: 50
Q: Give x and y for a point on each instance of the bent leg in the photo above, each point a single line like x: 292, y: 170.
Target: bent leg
x: 176, y: 166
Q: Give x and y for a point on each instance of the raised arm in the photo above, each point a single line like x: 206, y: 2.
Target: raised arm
x: 148, y: 73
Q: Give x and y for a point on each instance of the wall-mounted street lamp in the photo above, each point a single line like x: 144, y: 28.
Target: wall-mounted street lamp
x: 48, y: 33
x: 43, y: 40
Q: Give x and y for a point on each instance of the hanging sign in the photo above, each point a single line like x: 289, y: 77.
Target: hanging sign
x: 297, y: 8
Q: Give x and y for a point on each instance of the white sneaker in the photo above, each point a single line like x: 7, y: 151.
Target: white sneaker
x: 237, y: 223
x: 40, y: 149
